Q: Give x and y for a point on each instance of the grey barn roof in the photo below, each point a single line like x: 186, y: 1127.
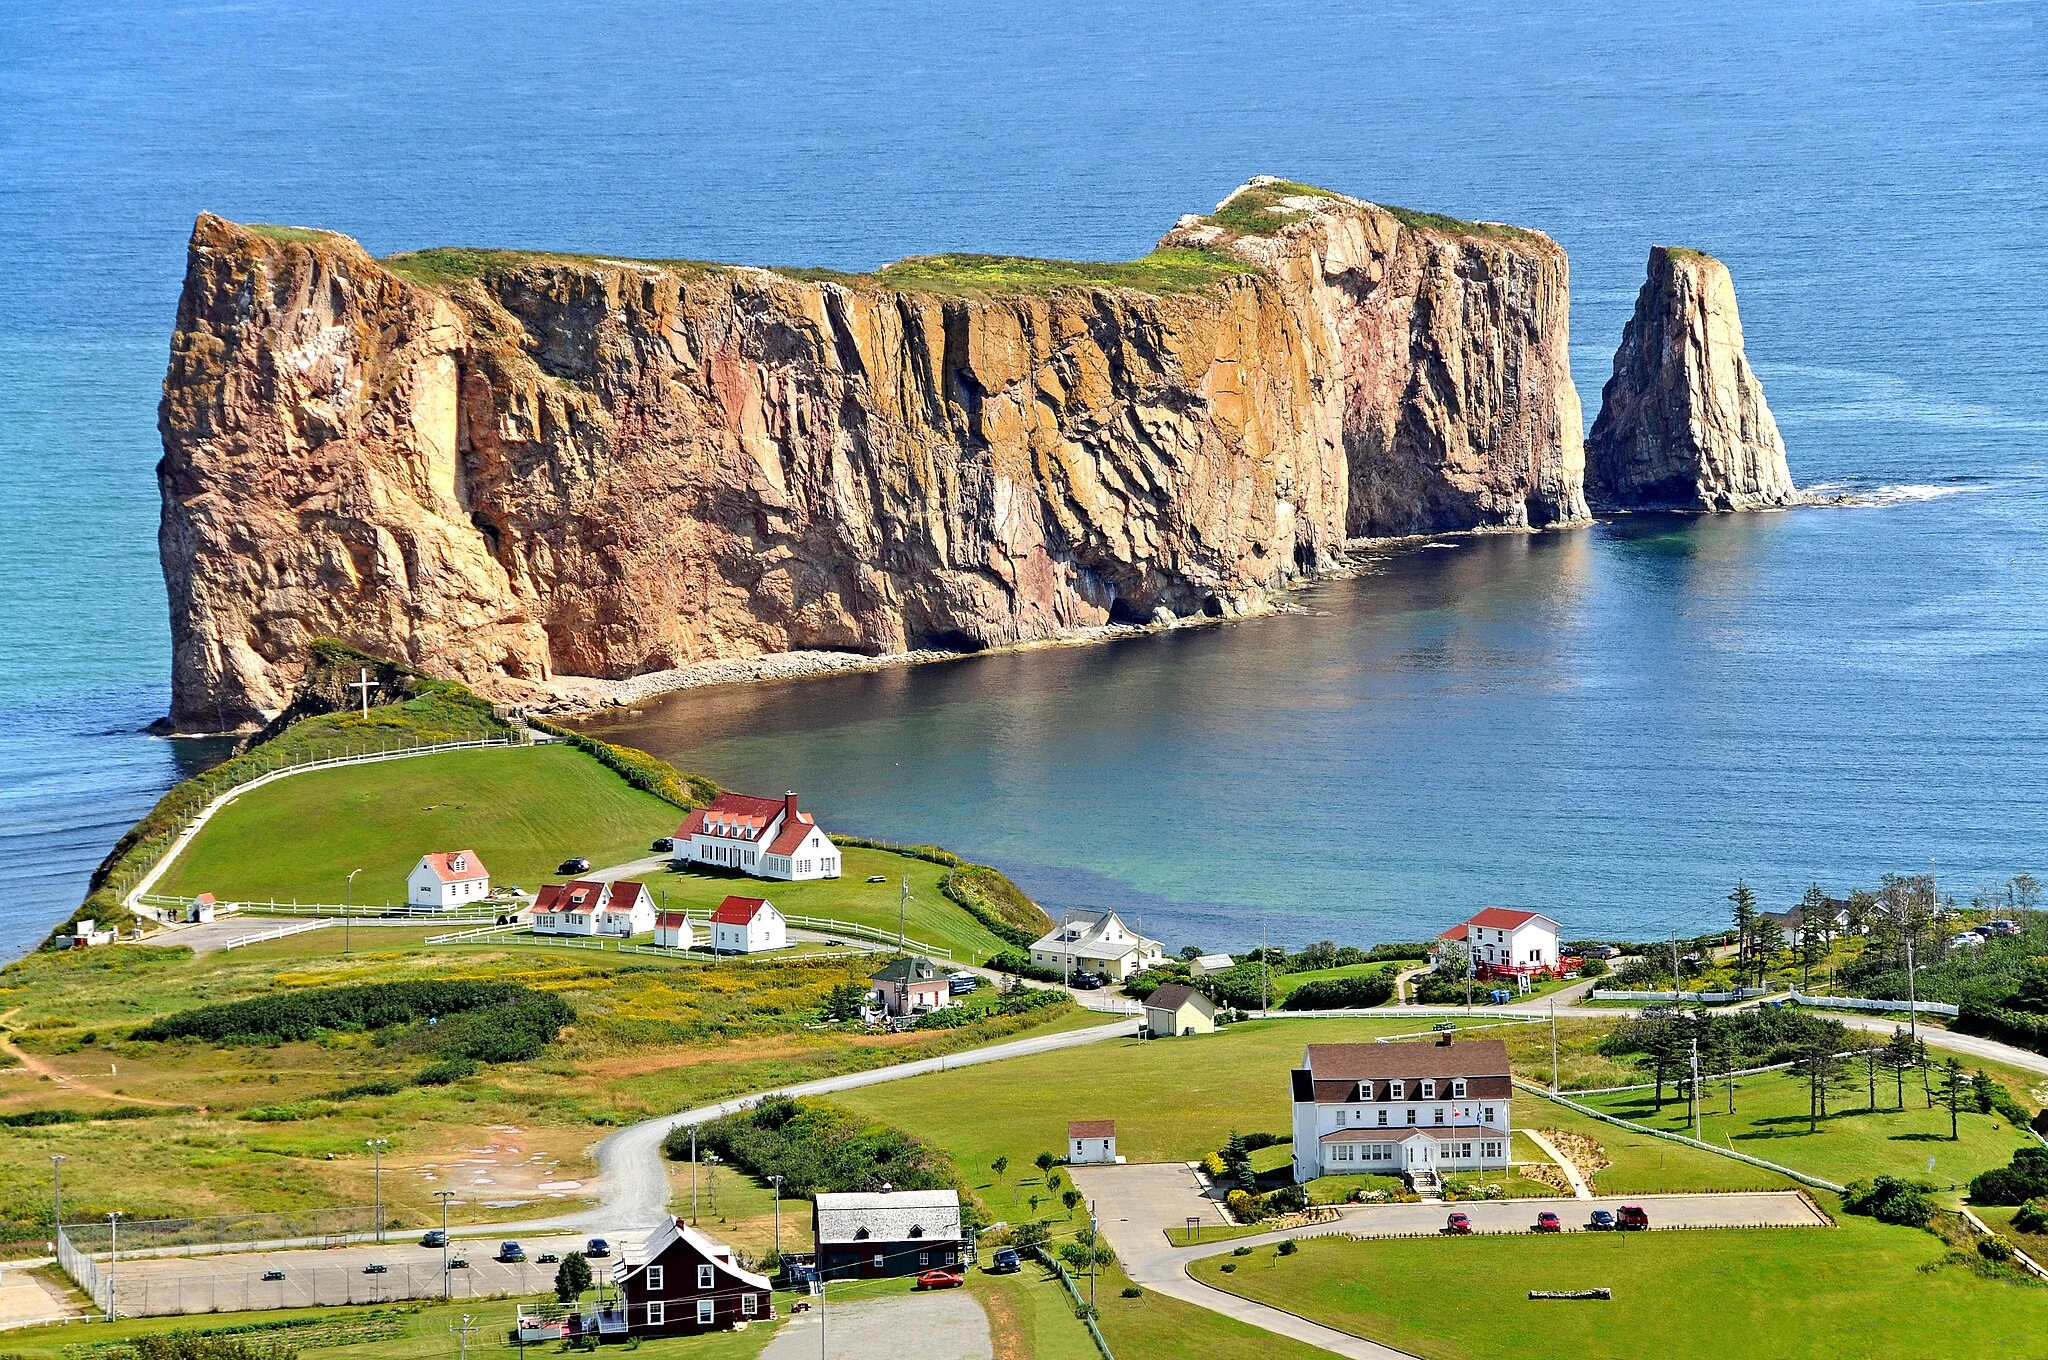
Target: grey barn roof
x: 894, y: 1216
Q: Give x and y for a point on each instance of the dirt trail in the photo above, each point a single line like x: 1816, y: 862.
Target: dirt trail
x: 64, y: 1080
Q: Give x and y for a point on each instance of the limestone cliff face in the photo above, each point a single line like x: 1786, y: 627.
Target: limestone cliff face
x: 1683, y: 424
x: 505, y: 467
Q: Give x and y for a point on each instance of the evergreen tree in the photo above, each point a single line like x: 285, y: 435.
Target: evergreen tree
x: 1745, y: 924
x: 572, y: 1277
x: 1900, y: 1055
x: 1819, y: 1064
x: 1953, y: 1093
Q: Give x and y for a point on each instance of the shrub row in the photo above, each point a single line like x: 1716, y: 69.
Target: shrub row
x: 815, y: 1146
x: 2024, y: 1178
x: 1018, y: 964
x: 36, y: 1119
x: 1019, y: 1002
x: 649, y: 774
x: 299, y: 1015
x: 999, y: 905
x: 2008, y: 1026
x: 1330, y: 994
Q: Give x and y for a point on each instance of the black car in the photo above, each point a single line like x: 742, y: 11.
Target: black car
x: 273, y: 1274
x: 1088, y: 982
x: 547, y: 1258
x: 511, y: 1251
x: 665, y: 844
x: 434, y: 1238
x: 597, y: 1248
x: 1601, y: 1221
x: 578, y: 865
x: 375, y: 1268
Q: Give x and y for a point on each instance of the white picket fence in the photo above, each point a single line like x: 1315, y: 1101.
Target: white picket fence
x: 275, y: 933
x: 1704, y: 998
x: 829, y: 926
x: 1865, y: 1003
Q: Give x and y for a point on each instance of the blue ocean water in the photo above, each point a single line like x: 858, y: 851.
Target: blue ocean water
x: 1617, y: 720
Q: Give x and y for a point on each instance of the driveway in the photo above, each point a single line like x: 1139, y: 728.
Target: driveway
x: 1136, y: 1206
x: 943, y: 1325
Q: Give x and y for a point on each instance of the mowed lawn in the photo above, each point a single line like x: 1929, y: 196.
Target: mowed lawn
x: 1857, y: 1290
x: 523, y: 811
x: 1852, y: 1143
x: 931, y: 917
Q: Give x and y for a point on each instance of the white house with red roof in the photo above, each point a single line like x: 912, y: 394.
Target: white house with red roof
x: 1502, y: 940
x: 674, y: 930
x: 623, y: 909
x: 747, y: 925
x: 762, y: 837
x: 447, y: 880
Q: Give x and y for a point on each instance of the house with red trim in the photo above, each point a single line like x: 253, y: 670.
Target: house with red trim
x: 747, y: 925
x: 1413, y: 1109
x: 446, y: 880
x: 622, y: 909
x: 1504, y: 942
x: 679, y: 1282
x: 760, y: 837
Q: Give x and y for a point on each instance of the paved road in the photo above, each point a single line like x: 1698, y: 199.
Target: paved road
x: 1137, y: 1206
x: 945, y: 1325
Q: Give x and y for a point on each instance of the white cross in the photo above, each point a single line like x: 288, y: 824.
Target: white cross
x: 366, y: 684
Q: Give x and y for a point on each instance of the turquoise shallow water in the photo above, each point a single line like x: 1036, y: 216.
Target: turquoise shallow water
x: 1620, y: 719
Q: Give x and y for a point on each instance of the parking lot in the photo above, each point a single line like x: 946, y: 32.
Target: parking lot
x: 233, y: 1281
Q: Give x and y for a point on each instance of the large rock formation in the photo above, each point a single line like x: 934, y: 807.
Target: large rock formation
x: 506, y: 467
x: 1683, y: 424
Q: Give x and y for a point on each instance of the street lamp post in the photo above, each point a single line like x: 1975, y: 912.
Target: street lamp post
x: 776, y: 1181
x: 377, y: 1146
x: 447, y: 1284
x: 348, y: 899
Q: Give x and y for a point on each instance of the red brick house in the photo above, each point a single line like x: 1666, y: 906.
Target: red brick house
x: 680, y: 1283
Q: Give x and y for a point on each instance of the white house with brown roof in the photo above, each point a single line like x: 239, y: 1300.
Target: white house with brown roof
x: 447, y: 880
x: 622, y: 909
x: 1414, y: 1109
x: 1503, y: 940
x: 761, y: 837
x: 1091, y: 1141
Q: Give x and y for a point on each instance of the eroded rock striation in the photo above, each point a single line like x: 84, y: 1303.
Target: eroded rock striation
x: 1683, y: 424
x: 508, y: 467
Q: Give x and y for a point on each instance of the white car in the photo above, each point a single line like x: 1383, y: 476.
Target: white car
x: 1967, y: 940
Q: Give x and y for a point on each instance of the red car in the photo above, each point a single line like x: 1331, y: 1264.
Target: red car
x: 1458, y: 1224
x: 1632, y: 1218
x: 1548, y: 1222
x: 940, y: 1279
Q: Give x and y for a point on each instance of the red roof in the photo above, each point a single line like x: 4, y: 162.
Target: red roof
x: 670, y: 920
x: 738, y: 911
x: 203, y: 900
x: 1091, y: 1128
x: 585, y: 896
x: 1455, y: 933
x: 733, y: 814
x: 1501, y: 918
x: 456, y: 866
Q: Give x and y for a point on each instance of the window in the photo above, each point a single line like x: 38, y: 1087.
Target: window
x: 1465, y: 1151
x: 657, y: 1313
x: 750, y: 1304
x: 1429, y: 1090
x: 1340, y: 1118
x: 1458, y: 1089
x: 917, y: 1230
x: 653, y: 1278
x: 1383, y: 1118
x: 1489, y: 1115
x: 1411, y: 1114
x: 924, y: 1258
x: 707, y: 1312
x: 1399, y: 1088
x: 1365, y: 1090
x: 1439, y: 1115
x: 1489, y: 1150
x: 706, y: 1278
x: 878, y: 1260
x: 860, y: 1234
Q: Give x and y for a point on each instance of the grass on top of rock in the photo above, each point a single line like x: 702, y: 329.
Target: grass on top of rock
x: 1261, y: 209
x: 986, y: 276
x: 282, y: 233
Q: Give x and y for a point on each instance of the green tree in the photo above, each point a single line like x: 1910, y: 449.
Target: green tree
x: 1053, y: 1180
x: 1924, y: 1060
x: 1819, y: 1063
x: 1071, y: 1198
x: 1744, y: 899
x: 1770, y: 943
x: 572, y: 1277
x: 2025, y: 891
x: 1813, y: 952
x: 1817, y: 916
x: 1899, y: 1056
x: 999, y: 1166
x: 1981, y: 1089
x: 1045, y: 1161
x: 1954, y: 1093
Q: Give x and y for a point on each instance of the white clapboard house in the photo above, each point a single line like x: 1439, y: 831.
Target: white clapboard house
x: 1414, y: 1109
x: 447, y: 880
x: 760, y: 837
x: 621, y: 910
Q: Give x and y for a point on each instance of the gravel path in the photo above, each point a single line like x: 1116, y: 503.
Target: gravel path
x: 942, y: 1325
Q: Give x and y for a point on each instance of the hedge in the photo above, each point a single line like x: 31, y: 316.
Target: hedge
x: 1332, y: 994
x: 2013, y: 1027
x: 649, y: 774
x: 299, y: 1015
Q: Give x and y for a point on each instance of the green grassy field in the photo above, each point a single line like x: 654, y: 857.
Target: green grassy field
x: 523, y: 812
x: 1642, y: 1164
x: 1285, y: 984
x: 931, y: 917
x: 1862, y: 1289
x: 1852, y: 1143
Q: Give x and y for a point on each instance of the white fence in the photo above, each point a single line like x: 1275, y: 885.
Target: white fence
x: 829, y: 926
x: 274, y: 933
x: 1704, y: 998
x: 1864, y: 1003
x: 1714, y: 1148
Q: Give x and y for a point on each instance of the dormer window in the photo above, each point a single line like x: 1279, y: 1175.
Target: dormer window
x: 1458, y: 1089
x: 860, y: 1234
x: 917, y: 1230
x: 1365, y: 1090
x: 1429, y: 1090
x: 1397, y: 1090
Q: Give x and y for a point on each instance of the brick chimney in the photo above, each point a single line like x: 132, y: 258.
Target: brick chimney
x: 789, y: 807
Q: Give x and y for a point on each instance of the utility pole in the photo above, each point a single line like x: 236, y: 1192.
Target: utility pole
x: 1264, y: 1002
x: 1093, y: 1249
x: 113, y: 1258
x: 1696, y: 1088
x: 1912, y: 1010
x: 465, y: 1329
x: 366, y: 684
x: 902, y: 903
x: 57, y: 1193
x: 348, y: 899
x: 447, y: 1283
x: 376, y: 1147
x: 776, y: 1181
x: 693, y: 1175
x: 1677, y: 981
